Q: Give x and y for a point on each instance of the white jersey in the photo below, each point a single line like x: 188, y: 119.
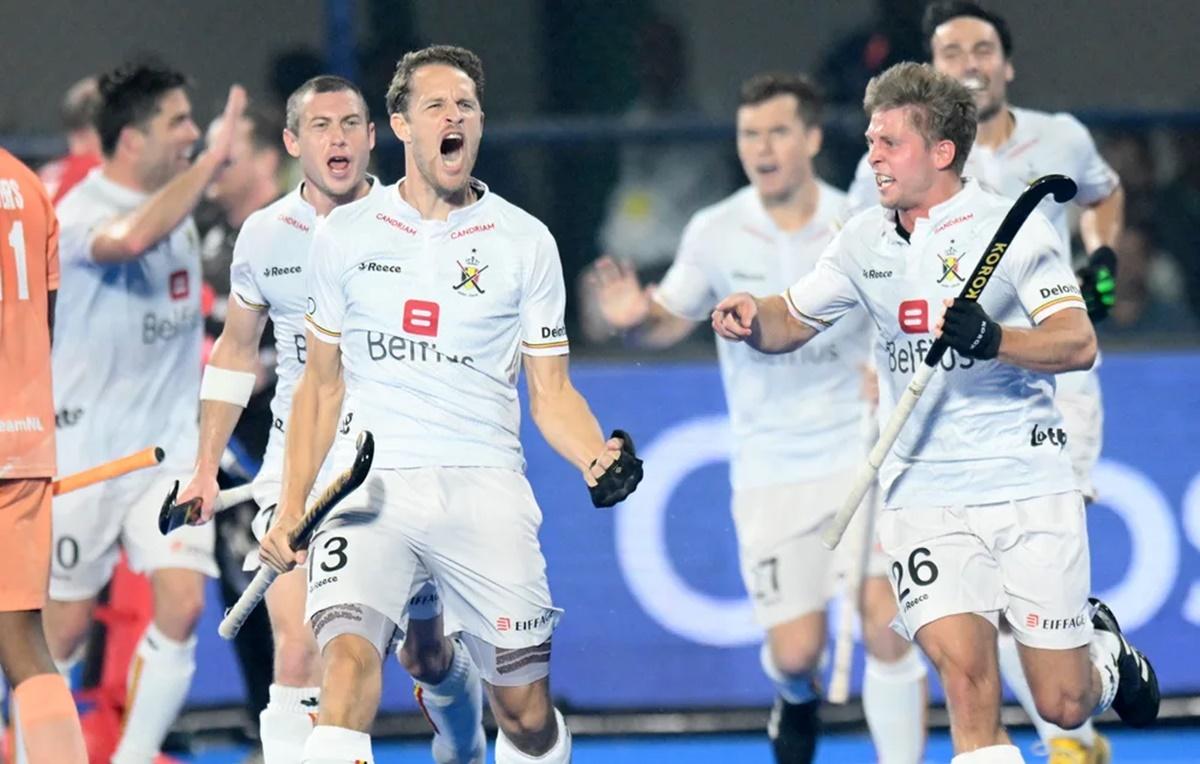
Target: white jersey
x: 432, y: 318
x: 269, y: 272
x: 126, y: 337
x: 1040, y: 144
x: 984, y: 431
x: 796, y: 416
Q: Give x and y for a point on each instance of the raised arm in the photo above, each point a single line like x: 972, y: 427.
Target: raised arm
x: 129, y: 236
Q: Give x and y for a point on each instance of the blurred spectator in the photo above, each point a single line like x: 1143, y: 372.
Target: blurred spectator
x: 79, y: 108
x: 1178, y: 218
x: 891, y: 36
x: 659, y: 185
x: 1150, y: 293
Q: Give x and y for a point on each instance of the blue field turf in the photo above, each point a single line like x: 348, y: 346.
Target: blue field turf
x: 1146, y: 747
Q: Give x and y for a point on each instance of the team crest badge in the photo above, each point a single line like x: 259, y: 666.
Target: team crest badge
x: 950, y: 275
x: 468, y: 279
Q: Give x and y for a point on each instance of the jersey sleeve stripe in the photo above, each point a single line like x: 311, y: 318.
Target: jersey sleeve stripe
x: 321, y: 329
x: 1057, y: 301
x: 248, y: 303
x: 544, y: 345
x: 798, y: 314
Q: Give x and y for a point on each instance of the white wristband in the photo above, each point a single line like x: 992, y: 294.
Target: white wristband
x: 227, y: 385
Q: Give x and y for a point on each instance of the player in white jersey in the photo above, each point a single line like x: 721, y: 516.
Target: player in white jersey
x: 330, y: 132
x: 797, y: 418
x: 126, y: 376
x: 982, y: 516
x: 1013, y: 147
x: 425, y: 299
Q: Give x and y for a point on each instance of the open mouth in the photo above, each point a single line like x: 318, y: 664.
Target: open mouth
x: 883, y: 182
x: 766, y: 169
x: 339, y: 166
x: 452, y: 148
x: 975, y: 84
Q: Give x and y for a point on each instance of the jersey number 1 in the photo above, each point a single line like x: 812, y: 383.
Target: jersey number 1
x: 16, y: 240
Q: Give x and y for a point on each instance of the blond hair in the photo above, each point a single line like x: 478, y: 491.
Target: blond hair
x: 942, y: 109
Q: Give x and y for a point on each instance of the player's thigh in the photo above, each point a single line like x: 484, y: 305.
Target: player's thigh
x: 962, y: 648
x: 939, y: 567
x: 785, y: 568
x: 483, y: 551
x: 1047, y: 572
x: 1056, y: 674
x: 25, y: 543
x: 84, y: 548
x: 362, y: 555
x: 190, y: 548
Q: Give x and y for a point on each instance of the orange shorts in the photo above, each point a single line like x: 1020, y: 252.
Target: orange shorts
x: 24, y: 543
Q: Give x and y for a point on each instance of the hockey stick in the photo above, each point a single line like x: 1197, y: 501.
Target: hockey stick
x: 173, y: 515
x: 147, y: 457
x: 843, y: 645
x: 340, y: 488
x: 1063, y: 189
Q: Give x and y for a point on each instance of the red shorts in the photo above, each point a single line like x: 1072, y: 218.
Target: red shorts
x: 24, y: 543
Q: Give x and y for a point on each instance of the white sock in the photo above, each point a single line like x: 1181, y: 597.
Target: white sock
x: 337, y: 745
x: 454, y: 707
x: 159, y: 677
x: 1104, y: 649
x: 1014, y: 677
x: 793, y: 689
x: 993, y: 754
x: 894, y: 703
x: 507, y: 753
x: 286, y: 722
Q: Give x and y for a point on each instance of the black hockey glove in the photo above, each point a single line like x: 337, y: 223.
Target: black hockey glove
x: 622, y: 476
x: 967, y: 329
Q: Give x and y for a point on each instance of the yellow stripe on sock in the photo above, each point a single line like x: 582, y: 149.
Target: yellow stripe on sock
x: 135, y: 678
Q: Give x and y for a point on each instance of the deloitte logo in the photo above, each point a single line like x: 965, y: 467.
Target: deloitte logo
x: 642, y: 545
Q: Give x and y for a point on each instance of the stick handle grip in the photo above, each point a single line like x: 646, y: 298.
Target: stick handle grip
x: 235, y: 617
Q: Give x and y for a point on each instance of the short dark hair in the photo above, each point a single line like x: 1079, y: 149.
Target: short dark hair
x: 941, y: 11
x: 81, y: 105
x: 449, y: 55
x: 130, y: 96
x: 942, y: 108
x: 322, y: 83
x: 765, y: 86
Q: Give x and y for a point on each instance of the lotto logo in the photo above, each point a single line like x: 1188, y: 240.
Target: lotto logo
x: 421, y: 317
x: 179, y: 285
x: 913, y: 317
x: 503, y: 623
x: 1032, y: 620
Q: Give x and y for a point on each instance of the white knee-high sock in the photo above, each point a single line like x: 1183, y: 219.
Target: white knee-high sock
x: 894, y: 700
x: 287, y: 721
x: 993, y: 754
x: 337, y: 745
x: 1014, y: 677
x: 1104, y: 649
x: 159, y: 677
x: 507, y: 753
x: 455, y: 709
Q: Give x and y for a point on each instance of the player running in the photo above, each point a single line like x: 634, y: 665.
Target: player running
x: 983, y: 517
x: 797, y: 418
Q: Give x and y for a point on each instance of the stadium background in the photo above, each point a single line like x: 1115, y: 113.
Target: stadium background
x: 583, y: 98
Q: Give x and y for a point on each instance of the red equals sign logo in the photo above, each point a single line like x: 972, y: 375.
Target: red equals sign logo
x: 913, y: 317
x: 503, y: 623
x: 421, y: 317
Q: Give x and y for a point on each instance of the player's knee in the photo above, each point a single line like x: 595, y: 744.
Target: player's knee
x: 177, y: 612
x: 425, y: 660
x: 529, y: 724
x: 297, y: 663
x: 795, y: 658
x: 1062, y: 707
x: 350, y: 661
